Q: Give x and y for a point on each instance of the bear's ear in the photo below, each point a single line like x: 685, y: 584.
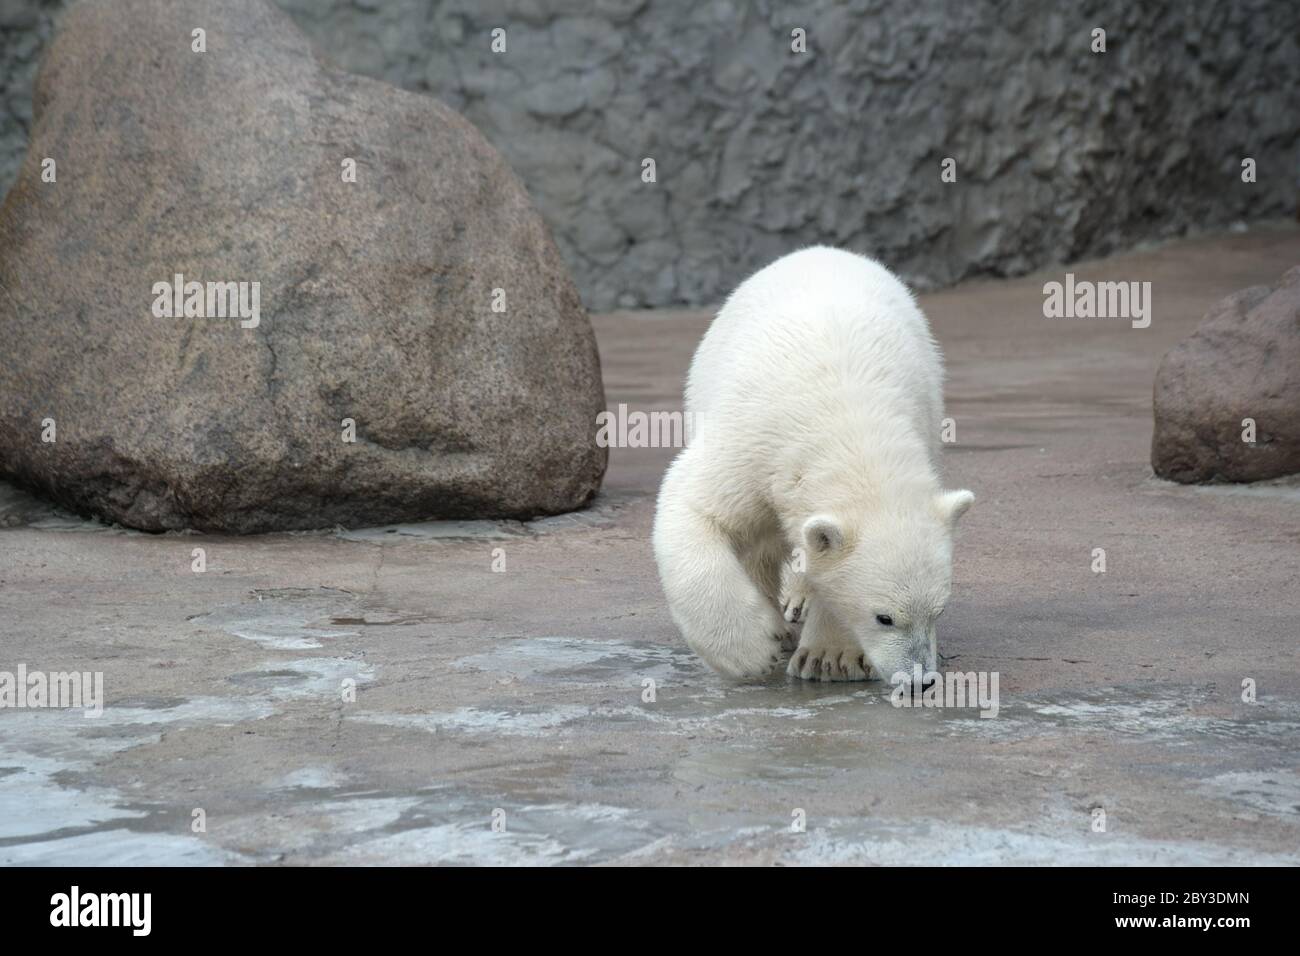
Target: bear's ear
x: 953, y: 504
x: 823, y: 534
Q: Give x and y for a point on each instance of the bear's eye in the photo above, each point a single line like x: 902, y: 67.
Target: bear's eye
x: 885, y: 619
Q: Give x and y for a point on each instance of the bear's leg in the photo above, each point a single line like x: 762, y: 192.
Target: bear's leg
x: 765, y: 562
x: 826, y: 651
x: 718, y: 607
x: 795, y: 595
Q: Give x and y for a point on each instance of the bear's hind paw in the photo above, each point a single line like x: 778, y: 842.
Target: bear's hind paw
x: 788, y: 640
x: 792, y: 608
x: 753, y: 661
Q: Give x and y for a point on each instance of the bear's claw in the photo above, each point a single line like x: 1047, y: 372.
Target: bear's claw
x: 792, y: 610
x: 829, y: 665
x: 785, y: 643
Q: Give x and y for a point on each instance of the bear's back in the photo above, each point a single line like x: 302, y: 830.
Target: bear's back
x: 817, y: 326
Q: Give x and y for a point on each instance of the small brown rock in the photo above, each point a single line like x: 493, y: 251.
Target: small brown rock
x: 1243, y: 361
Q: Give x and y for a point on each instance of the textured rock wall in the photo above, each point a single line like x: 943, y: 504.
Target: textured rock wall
x: 1060, y: 153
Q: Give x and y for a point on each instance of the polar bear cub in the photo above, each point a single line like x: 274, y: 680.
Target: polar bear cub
x: 816, y: 399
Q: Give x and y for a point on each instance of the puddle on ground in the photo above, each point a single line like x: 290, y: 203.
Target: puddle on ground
x: 454, y: 825
x: 286, y: 619
x: 117, y: 847
x: 571, y: 660
x: 531, y: 835
x: 935, y: 843
x: 318, y: 825
x: 311, y: 778
x: 44, y: 819
x: 1149, y: 714
x: 600, y: 684
x: 759, y: 737
x: 688, y: 698
x: 1271, y: 792
x: 517, y: 723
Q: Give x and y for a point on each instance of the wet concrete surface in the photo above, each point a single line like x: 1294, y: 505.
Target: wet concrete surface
x: 383, y: 696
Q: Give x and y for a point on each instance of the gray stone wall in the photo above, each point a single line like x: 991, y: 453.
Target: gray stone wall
x: 1060, y: 153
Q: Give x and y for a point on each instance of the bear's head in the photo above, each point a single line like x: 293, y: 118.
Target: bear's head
x: 885, y: 572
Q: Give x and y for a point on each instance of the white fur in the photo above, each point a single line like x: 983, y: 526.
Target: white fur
x: 816, y: 395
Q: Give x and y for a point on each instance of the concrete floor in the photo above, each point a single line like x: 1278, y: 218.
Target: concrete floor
x: 521, y: 692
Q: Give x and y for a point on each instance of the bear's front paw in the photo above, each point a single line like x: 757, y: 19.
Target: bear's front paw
x: 828, y: 664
